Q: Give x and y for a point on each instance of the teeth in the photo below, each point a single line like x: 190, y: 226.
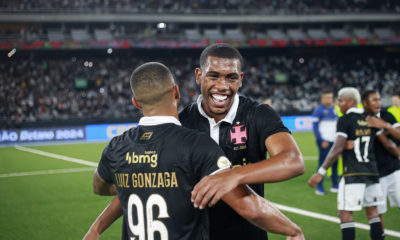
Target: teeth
x: 219, y: 97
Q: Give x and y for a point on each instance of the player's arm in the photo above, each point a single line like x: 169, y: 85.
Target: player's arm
x: 260, y: 212
x: 110, y: 214
x: 333, y: 155
x: 102, y: 187
x: 286, y: 162
x: 379, y: 123
x: 388, y: 145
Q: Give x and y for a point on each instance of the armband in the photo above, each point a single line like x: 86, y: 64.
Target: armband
x: 322, y: 171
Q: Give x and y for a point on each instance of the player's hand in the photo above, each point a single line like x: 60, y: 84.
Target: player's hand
x: 297, y: 237
x: 91, y: 235
x: 376, y: 122
x: 211, y: 188
x: 324, y: 144
x: 315, y: 179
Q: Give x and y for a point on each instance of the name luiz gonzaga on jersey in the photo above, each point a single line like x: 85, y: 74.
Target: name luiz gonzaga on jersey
x: 145, y: 179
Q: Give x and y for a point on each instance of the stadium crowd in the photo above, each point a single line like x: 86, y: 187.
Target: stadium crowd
x: 204, y: 6
x: 46, y: 89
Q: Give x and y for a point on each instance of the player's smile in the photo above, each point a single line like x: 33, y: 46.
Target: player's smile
x: 220, y: 79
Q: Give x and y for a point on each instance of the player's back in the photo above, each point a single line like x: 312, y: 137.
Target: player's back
x: 387, y: 163
x: 155, y: 168
x: 359, y: 163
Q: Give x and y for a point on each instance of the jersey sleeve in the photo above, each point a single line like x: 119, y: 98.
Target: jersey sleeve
x: 103, y: 168
x: 388, y: 117
x: 341, y: 127
x: 207, y: 157
x: 268, y: 122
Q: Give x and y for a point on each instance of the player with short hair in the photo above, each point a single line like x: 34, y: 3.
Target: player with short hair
x: 395, y: 108
x: 324, y: 127
x: 387, y: 149
x: 360, y: 183
x: 155, y: 166
x: 245, y: 130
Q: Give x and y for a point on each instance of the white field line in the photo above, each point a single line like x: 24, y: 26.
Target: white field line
x: 53, y: 155
x: 281, y: 207
x: 330, y: 218
x: 46, y: 172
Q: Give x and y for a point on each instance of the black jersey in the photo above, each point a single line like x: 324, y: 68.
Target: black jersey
x: 243, y: 142
x: 387, y: 163
x: 155, y: 169
x: 359, y: 163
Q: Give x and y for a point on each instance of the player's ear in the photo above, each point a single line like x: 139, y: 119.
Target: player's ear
x: 241, y: 79
x: 176, y: 92
x: 198, y: 74
x: 136, y: 103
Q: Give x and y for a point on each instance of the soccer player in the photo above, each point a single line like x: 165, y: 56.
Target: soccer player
x: 245, y: 130
x: 360, y: 183
x: 324, y: 127
x: 154, y: 167
x: 387, y: 150
x: 395, y: 108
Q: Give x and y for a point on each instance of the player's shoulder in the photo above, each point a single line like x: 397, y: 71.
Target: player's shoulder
x: 249, y: 106
x: 189, y: 114
x: 188, y: 110
x: 189, y: 135
x: 387, y: 116
x: 120, y: 141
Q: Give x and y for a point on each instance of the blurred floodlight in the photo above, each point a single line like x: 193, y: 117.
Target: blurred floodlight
x: 301, y: 60
x: 12, y: 52
x: 90, y: 64
x: 101, y: 90
x: 86, y: 64
x: 161, y: 25
x: 109, y: 50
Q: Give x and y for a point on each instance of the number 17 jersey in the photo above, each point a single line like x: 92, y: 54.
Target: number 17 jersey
x: 359, y: 163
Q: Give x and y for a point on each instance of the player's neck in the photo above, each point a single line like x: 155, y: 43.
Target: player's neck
x: 161, y: 111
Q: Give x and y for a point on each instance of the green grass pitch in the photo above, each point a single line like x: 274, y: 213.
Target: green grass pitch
x: 62, y: 206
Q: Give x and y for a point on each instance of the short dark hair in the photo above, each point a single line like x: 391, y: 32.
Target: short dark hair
x: 150, y: 81
x: 327, y: 90
x: 365, y: 95
x: 220, y: 50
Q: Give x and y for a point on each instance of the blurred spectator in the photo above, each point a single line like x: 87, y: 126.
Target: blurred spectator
x: 47, y: 88
x: 203, y: 6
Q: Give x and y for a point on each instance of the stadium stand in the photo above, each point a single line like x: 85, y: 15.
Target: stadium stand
x: 196, y: 6
x: 39, y: 88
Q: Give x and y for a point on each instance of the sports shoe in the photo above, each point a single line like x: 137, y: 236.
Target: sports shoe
x: 319, y: 192
x: 334, y: 189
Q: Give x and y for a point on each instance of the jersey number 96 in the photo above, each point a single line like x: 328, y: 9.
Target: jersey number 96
x: 139, y: 229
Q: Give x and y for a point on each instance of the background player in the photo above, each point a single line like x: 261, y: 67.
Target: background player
x: 156, y: 165
x: 395, y: 108
x: 324, y: 127
x: 387, y: 150
x: 360, y: 183
x: 244, y: 130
